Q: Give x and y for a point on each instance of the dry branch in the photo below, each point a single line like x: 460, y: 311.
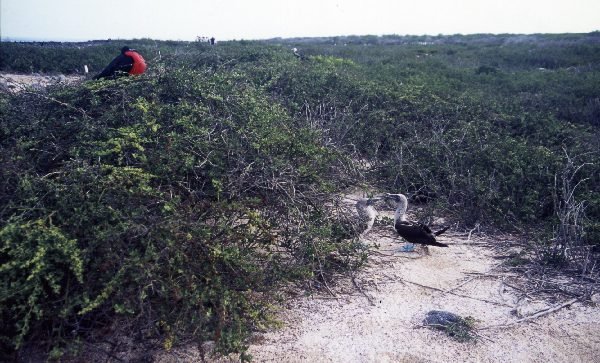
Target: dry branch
x: 456, y: 294
x: 473, y: 278
x: 369, y: 299
x: 386, y: 255
x: 534, y: 316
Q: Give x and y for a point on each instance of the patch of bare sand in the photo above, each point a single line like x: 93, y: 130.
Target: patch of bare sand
x: 17, y: 82
x: 382, y: 322
x: 351, y: 329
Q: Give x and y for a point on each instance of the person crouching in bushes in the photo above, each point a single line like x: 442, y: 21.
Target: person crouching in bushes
x: 126, y: 63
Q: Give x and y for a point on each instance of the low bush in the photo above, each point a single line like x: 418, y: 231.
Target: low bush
x: 167, y: 207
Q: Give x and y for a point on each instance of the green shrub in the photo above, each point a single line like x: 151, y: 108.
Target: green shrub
x: 177, y: 204
x: 40, y: 267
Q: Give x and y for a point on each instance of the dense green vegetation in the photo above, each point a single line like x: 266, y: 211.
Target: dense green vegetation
x: 69, y: 58
x: 176, y: 205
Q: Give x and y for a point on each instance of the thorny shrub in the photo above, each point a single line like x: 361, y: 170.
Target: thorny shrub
x: 168, y: 207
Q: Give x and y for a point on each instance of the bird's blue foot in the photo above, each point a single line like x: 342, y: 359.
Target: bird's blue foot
x: 409, y: 247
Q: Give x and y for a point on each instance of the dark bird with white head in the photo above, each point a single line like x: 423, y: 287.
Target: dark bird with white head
x: 413, y: 232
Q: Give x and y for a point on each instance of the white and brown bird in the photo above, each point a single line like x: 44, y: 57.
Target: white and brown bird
x: 413, y: 232
x: 367, y: 213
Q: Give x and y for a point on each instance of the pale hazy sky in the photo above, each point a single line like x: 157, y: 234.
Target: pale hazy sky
x: 259, y: 19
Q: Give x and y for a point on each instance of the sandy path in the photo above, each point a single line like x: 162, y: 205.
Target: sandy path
x: 386, y: 327
x: 351, y: 329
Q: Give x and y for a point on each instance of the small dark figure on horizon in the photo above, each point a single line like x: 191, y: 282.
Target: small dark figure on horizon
x: 126, y: 63
x: 212, y: 41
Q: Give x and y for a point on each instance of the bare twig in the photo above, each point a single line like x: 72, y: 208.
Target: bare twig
x: 471, y: 231
x: 456, y: 294
x: 369, y: 299
x: 534, y: 316
x: 321, y: 271
x: 473, y: 278
x: 80, y: 110
x: 386, y: 255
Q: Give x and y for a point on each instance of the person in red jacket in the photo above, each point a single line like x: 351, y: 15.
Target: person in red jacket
x: 126, y: 63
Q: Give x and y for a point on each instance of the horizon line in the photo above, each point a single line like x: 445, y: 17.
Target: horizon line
x: 83, y: 40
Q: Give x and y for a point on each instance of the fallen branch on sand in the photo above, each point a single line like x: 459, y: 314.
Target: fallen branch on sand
x: 534, y: 316
x: 471, y: 231
x: 472, y: 278
x: 457, y: 294
x: 384, y: 254
x: 369, y: 299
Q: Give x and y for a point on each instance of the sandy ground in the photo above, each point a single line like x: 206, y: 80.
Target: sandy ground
x: 352, y: 329
x: 16, y: 82
x: 381, y: 321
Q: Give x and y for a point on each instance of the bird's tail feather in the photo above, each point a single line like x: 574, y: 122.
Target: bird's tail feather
x: 441, y: 231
